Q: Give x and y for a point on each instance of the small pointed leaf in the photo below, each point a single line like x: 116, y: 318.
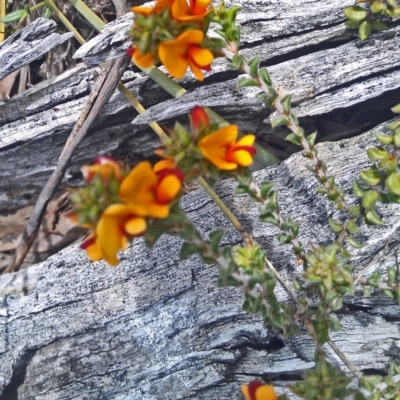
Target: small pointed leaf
x: 355, y: 13
x: 370, y: 198
x: 393, y: 183
x: 373, y: 218
x: 364, y: 30
x: 354, y: 243
x: 376, y: 153
x: 384, y: 139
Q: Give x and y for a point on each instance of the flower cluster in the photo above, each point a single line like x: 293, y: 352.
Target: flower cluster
x: 116, y: 205
x: 255, y: 390
x: 209, y: 146
x: 173, y: 32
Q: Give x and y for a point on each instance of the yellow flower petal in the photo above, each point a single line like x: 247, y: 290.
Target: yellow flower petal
x: 180, y: 8
x: 93, y: 249
x: 242, y: 157
x: 164, y: 164
x: 168, y: 188
x: 136, y: 188
x: 266, y: 392
x: 174, y: 53
x: 173, y: 58
x: 192, y: 36
x: 197, y: 72
x: 142, y: 10
x: 247, y: 140
x: 215, y: 146
x: 245, y: 391
x: 135, y: 226
x: 143, y: 60
x: 202, y: 57
x: 110, y: 238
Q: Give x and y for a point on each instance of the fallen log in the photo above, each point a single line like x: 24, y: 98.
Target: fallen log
x: 313, y: 59
x: 157, y: 328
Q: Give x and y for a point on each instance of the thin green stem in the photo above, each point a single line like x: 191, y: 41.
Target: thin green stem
x: 88, y: 14
x: 248, y: 239
x: 65, y: 21
x: 38, y: 5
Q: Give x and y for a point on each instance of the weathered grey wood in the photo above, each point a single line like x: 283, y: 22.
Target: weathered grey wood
x: 29, y: 44
x: 311, y: 53
x: 154, y: 328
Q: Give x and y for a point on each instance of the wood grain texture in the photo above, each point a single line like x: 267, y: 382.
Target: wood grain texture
x: 29, y: 44
x: 154, y: 328
x: 309, y: 52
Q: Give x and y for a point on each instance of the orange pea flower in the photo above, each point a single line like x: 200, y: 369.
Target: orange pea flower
x: 258, y: 391
x: 152, y: 190
x: 191, y: 10
x: 117, y: 224
x: 184, y: 51
x: 159, y: 6
x: 222, y: 149
x: 103, y: 166
x: 142, y: 60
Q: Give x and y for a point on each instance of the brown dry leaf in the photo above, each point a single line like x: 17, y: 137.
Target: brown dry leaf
x: 56, y: 232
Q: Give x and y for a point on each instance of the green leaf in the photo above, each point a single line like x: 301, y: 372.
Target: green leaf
x: 268, y: 218
x: 237, y: 60
x: 358, y: 191
x: 46, y: 12
x: 384, y: 139
x: 389, y: 163
x: 189, y: 249
x: 335, y: 226
x: 377, y: 7
x: 232, y: 12
x: 378, y: 25
x: 264, y: 76
x: 354, y: 243
x: 215, y: 239
x: 279, y: 120
x: 352, y: 228
x: 396, y: 137
x: 364, y: 30
x: 13, y: 16
x: 396, y: 109
x: 355, y: 13
x: 393, y: 183
x: 311, y: 139
x: 265, y: 187
x: 245, y: 81
x: 254, y: 64
x: 352, y: 24
x: 370, y: 198
x: 372, y: 218
x: 376, y: 153
x: 286, y: 103
x: 371, y: 177
x: 293, y: 138
x: 354, y: 211
x: 392, y: 274
x: 284, y: 238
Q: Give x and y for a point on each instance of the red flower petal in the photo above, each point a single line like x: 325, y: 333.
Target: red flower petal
x: 199, y: 117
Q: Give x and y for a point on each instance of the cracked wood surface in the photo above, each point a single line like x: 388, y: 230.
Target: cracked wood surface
x: 308, y: 49
x: 29, y: 44
x: 154, y: 328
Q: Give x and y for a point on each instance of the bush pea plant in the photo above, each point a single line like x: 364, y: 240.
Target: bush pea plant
x: 118, y: 204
